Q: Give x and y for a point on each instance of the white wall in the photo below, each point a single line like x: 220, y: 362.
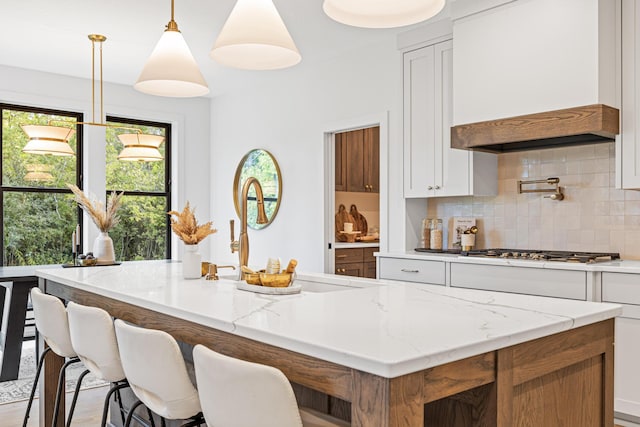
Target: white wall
x: 286, y: 113
x: 190, y: 128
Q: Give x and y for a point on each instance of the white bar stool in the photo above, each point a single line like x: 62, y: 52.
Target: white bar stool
x: 237, y: 393
x: 93, y: 338
x: 157, y: 374
x: 52, y: 324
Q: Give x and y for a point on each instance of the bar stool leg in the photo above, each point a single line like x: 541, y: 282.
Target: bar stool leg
x: 130, y: 414
x: 105, y: 409
x: 75, y: 396
x: 61, y: 384
x: 35, y: 383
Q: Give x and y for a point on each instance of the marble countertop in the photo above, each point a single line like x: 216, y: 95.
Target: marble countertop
x: 620, y: 266
x: 381, y: 327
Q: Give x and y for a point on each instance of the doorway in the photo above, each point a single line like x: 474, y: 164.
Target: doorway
x: 355, y: 177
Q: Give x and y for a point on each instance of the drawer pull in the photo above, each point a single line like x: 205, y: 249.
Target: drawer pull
x: 406, y: 270
x: 341, y: 256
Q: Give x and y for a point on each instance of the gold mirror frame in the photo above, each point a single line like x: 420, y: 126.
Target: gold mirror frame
x: 272, y: 189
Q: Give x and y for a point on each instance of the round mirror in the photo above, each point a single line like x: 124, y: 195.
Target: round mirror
x: 263, y: 166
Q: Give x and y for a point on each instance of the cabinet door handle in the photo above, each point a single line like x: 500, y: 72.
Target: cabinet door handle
x: 437, y: 187
x: 341, y: 256
x: 406, y: 270
x: 430, y: 187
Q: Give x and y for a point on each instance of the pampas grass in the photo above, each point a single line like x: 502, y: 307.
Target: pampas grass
x: 104, y: 218
x: 186, y: 227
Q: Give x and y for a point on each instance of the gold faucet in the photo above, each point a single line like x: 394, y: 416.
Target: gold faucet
x: 242, y: 245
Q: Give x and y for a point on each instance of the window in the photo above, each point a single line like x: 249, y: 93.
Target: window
x: 37, y: 209
x: 143, y: 231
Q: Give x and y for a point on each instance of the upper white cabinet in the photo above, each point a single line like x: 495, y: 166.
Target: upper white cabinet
x: 628, y: 148
x: 431, y: 167
x: 531, y: 56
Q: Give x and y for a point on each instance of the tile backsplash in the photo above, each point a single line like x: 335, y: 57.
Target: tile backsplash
x: 594, y: 216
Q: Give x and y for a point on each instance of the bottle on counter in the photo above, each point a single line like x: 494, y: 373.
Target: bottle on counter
x: 436, y: 234
x: 425, y: 236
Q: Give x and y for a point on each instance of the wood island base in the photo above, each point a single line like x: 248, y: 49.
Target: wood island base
x: 565, y: 379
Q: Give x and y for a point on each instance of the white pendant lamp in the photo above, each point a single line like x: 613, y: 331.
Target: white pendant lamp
x: 255, y: 38
x: 171, y: 69
x: 140, y: 147
x: 47, y: 139
x: 381, y: 13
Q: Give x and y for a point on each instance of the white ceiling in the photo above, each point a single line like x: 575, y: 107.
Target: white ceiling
x: 51, y: 35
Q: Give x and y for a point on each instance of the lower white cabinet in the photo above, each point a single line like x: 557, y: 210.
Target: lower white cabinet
x: 412, y: 270
x: 624, y: 289
x: 521, y: 280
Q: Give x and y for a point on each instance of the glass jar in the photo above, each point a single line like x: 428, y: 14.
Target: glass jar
x: 425, y: 235
x: 436, y: 234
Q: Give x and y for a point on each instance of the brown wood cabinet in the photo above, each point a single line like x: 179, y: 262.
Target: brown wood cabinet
x: 357, y: 164
x: 357, y: 262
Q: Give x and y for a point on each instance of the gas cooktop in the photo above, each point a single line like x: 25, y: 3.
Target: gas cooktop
x: 543, y: 255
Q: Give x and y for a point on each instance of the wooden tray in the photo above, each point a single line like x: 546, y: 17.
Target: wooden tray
x: 292, y: 289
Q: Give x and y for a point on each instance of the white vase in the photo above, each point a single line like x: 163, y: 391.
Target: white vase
x: 103, y: 249
x: 191, y: 267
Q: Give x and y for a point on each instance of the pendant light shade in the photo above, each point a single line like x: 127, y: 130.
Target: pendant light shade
x: 46, y: 139
x: 255, y: 38
x: 171, y: 69
x: 381, y: 13
x: 140, y: 147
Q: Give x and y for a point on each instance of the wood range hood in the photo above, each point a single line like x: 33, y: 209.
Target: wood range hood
x: 588, y: 124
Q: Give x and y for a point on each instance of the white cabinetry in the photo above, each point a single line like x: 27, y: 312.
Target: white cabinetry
x: 624, y: 289
x: 628, y: 150
x: 431, y: 166
x: 412, y: 270
x: 521, y: 280
x: 528, y: 56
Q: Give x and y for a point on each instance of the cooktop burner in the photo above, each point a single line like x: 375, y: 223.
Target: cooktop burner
x: 559, y: 256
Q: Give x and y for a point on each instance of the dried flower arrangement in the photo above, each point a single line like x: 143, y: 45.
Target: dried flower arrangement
x: 186, y: 227
x: 104, y: 218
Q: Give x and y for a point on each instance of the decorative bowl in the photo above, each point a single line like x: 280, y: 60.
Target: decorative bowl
x: 276, y: 280
x: 252, y: 278
x: 88, y: 261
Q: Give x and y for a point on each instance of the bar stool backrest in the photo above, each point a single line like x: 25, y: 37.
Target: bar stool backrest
x: 94, y: 339
x: 237, y: 393
x: 156, y: 371
x: 52, y: 322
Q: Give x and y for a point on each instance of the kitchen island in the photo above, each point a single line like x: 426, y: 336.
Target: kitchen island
x: 402, y: 354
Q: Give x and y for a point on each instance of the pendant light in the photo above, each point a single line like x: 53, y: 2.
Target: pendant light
x: 140, y: 147
x: 54, y: 140
x: 48, y: 139
x: 171, y: 69
x: 381, y: 13
x: 255, y: 38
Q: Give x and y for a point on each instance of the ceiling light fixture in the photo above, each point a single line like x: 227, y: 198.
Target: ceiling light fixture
x: 140, y: 147
x: 381, y: 13
x: 54, y: 140
x: 171, y: 69
x: 255, y: 38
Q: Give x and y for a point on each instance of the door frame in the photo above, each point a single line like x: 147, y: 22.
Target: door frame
x: 377, y: 119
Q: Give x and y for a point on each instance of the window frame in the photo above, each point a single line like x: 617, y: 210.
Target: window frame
x: 167, y: 172
x: 13, y: 189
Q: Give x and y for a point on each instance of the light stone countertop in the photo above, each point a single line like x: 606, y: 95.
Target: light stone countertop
x: 620, y: 266
x: 385, y: 328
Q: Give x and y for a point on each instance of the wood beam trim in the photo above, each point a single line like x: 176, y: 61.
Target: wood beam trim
x: 597, y: 119
x: 458, y: 376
